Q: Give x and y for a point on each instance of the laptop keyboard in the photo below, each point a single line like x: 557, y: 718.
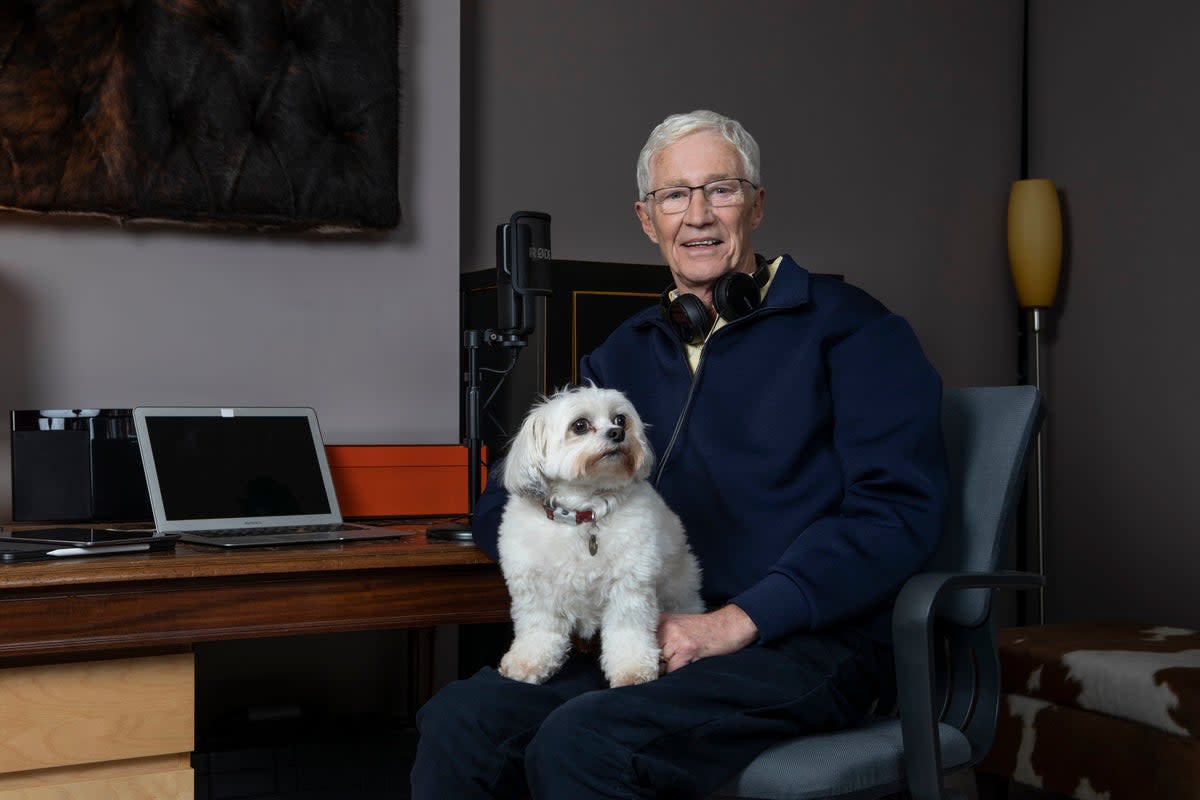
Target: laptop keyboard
x: 228, y: 533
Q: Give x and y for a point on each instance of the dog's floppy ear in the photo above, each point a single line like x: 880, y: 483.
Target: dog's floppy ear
x: 523, y: 472
x: 643, y: 456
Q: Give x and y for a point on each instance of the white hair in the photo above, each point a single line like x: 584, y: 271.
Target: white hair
x: 676, y: 126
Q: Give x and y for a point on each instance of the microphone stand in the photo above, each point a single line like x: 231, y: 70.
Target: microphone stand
x: 472, y: 341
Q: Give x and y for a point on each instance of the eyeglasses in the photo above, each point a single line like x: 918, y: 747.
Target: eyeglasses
x: 720, y: 193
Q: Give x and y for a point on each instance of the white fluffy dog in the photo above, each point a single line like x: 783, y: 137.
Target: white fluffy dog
x: 586, y: 544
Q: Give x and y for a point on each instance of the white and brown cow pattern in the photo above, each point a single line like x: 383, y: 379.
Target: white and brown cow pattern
x: 1143, y: 674
x: 1100, y: 711
x: 1090, y: 756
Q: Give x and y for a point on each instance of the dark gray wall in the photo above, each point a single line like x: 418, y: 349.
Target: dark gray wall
x: 1114, y: 121
x: 889, y: 132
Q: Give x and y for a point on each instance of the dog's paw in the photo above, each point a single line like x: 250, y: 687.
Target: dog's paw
x: 628, y: 656
x: 632, y: 677
x: 525, y: 670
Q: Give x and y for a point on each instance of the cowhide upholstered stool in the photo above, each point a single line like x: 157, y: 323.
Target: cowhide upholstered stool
x: 1098, y: 712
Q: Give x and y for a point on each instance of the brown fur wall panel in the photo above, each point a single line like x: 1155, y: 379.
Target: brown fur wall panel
x: 252, y: 112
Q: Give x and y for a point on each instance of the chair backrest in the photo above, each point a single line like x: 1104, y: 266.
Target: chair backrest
x: 988, y: 433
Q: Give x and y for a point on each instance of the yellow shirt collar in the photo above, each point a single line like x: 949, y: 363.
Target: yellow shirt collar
x: 694, y: 350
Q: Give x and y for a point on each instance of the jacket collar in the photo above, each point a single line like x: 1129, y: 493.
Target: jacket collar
x: 790, y: 287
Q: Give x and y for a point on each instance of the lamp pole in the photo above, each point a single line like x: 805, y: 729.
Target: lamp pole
x: 1035, y: 318
x: 1035, y: 261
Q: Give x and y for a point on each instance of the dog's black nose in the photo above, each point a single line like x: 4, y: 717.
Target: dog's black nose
x: 616, y: 434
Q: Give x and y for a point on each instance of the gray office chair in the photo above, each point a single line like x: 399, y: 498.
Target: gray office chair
x: 947, y: 670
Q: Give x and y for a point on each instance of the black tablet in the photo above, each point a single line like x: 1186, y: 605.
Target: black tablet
x: 86, y: 537
x: 23, y: 551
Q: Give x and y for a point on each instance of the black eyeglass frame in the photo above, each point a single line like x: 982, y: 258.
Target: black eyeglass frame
x: 650, y: 194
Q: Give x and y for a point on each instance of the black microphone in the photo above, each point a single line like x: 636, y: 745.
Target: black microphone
x: 523, y: 272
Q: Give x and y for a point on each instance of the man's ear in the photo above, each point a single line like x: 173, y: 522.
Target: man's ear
x: 643, y: 214
x: 760, y: 207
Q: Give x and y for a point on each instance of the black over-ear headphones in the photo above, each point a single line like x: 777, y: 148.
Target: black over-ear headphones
x: 735, y: 294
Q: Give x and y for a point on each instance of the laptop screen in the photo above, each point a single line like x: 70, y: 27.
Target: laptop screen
x: 234, y: 467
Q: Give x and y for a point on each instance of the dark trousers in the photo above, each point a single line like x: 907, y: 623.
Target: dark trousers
x: 682, y: 735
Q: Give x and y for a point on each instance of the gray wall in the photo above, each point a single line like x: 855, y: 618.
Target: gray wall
x: 889, y: 133
x: 365, y: 330
x: 1114, y: 121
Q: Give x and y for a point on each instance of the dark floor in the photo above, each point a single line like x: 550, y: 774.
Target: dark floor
x: 966, y: 781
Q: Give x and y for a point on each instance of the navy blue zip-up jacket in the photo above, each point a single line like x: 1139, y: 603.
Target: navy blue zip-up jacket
x: 808, y: 466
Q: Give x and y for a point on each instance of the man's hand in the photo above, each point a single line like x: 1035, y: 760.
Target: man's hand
x: 684, y: 638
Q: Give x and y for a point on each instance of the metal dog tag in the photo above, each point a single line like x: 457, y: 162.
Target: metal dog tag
x: 592, y: 541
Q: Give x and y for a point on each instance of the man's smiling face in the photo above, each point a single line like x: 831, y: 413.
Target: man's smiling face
x: 704, y: 242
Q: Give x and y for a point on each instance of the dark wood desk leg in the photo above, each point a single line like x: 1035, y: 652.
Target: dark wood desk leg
x: 420, y: 667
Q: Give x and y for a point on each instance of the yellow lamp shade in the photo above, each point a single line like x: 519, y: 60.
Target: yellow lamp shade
x: 1034, y: 241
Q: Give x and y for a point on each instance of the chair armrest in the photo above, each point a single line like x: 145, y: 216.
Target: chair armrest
x: 913, y: 644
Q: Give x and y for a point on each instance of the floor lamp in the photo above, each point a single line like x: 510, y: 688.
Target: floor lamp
x: 1035, y: 260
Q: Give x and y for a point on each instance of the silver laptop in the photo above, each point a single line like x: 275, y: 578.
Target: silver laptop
x: 237, y: 477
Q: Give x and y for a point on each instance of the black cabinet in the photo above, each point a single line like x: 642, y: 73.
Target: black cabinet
x: 590, y: 299
x: 77, y: 465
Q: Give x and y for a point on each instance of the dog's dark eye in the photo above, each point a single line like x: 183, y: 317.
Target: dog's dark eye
x: 619, y: 420
x: 580, y: 426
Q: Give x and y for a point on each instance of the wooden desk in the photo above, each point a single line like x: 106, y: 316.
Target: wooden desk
x: 118, y: 626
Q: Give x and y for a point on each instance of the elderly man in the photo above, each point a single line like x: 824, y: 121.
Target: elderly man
x: 796, y: 426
